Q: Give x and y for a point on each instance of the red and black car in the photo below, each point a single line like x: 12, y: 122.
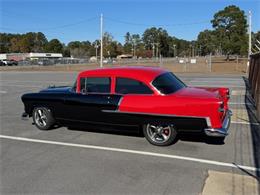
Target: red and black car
x: 151, y: 98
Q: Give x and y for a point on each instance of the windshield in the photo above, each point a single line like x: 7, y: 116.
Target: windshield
x: 168, y: 83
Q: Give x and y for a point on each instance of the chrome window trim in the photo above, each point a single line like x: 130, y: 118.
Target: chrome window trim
x: 163, y: 94
x: 98, y: 93
x: 133, y: 93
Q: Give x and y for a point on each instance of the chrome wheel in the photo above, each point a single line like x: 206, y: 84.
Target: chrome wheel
x: 40, y: 117
x: 158, y: 133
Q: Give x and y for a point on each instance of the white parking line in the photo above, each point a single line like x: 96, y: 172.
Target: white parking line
x: 214, y: 85
x: 21, y: 81
x: 11, y: 85
x: 237, y: 103
x: 217, y: 81
x: 3, y: 92
x: 203, y: 161
x: 244, y: 123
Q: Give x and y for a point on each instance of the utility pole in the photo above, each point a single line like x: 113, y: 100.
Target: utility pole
x: 96, y: 46
x: 101, y: 40
x: 153, y: 50
x: 249, y: 34
x: 174, y: 50
x: 157, y: 50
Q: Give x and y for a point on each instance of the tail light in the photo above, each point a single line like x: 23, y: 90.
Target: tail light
x: 228, y: 93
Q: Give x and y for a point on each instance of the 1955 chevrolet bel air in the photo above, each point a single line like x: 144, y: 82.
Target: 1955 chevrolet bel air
x: 151, y: 98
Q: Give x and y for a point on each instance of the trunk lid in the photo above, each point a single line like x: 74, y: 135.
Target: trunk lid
x: 198, y: 92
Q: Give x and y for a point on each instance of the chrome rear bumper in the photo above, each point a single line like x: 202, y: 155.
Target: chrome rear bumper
x: 220, y: 132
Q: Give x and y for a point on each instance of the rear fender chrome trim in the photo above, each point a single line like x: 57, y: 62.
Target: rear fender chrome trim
x: 153, y: 114
x: 223, y: 131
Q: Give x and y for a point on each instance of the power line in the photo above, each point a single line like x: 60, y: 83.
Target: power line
x: 161, y: 25
x: 71, y: 24
x: 56, y: 27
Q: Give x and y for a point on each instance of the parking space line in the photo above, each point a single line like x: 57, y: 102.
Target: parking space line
x: 238, y: 103
x: 21, y: 81
x: 15, y: 85
x: 202, y: 161
x: 3, y: 92
x: 228, y: 86
x: 244, y: 123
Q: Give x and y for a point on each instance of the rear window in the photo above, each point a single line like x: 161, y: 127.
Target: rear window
x: 131, y: 86
x: 168, y: 83
x: 95, y: 85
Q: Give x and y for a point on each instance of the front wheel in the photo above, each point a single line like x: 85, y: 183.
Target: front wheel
x: 42, y: 118
x: 160, y: 135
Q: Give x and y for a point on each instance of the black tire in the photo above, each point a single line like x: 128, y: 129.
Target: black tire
x: 42, y: 118
x: 160, y: 140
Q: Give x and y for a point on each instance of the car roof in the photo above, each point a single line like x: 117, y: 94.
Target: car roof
x: 142, y: 73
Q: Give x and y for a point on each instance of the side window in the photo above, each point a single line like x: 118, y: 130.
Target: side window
x: 95, y: 85
x: 131, y: 86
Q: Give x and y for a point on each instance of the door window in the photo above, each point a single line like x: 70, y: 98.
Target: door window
x: 131, y: 86
x: 95, y: 85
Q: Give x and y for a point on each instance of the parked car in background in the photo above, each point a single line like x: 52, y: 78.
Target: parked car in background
x: 151, y: 99
x: 2, y: 63
x: 10, y: 62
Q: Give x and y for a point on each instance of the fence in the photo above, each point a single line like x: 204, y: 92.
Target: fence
x: 198, y: 64
x: 254, y: 80
x: 185, y: 64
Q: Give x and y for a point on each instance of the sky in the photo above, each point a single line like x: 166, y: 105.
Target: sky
x: 70, y: 20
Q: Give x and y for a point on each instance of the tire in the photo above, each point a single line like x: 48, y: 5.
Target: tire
x: 160, y: 135
x: 42, y: 118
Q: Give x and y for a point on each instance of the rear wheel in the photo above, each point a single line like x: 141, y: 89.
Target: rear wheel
x: 42, y: 118
x: 160, y: 135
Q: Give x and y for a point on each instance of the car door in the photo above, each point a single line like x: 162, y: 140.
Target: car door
x: 94, y: 97
x: 131, y: 91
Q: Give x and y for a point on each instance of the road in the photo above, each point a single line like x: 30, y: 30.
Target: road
x: 94, y: 162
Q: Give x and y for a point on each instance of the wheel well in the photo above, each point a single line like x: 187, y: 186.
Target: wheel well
x: 39, y: 105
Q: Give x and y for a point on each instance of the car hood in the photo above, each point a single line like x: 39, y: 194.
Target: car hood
x: 60, y: 89
x: 198, y: 92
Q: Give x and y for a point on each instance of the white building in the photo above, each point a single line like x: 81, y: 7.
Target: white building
x: 44, y: 55
x: 31, y: 56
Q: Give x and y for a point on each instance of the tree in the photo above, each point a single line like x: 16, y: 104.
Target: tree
x: 255, y: 44
x: 54, y: 46
x: 207, y: 42
x: 39, y: 42
x: 158, y: 40
x: 231, y: 27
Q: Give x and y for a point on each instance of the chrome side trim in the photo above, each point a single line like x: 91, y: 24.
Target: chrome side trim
x: 153, y: 114
x: 119, y: 102
x: 223, y: 131
x: 208, y: 121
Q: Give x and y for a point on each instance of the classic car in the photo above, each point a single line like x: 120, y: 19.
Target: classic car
x: 149, y: 99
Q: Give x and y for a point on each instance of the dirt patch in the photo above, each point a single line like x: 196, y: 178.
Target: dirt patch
x: 227, y: 67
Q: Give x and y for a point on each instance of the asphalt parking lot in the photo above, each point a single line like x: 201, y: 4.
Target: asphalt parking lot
x: 74, y: 161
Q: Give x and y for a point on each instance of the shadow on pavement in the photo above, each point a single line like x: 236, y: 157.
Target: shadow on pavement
x: 255, y: 129
x: 137, y: 132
